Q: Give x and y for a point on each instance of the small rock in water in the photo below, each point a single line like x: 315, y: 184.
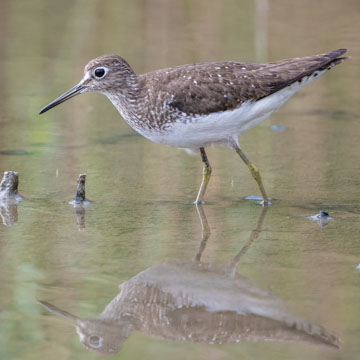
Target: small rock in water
x: 278, y: 128
x: 358, y: 267
x: 322, y: 218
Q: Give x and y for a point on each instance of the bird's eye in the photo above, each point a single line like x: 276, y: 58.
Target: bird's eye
x: 95, y: 341
x: 100, y: 72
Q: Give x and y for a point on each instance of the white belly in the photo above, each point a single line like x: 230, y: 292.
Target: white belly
x: 221, y: 126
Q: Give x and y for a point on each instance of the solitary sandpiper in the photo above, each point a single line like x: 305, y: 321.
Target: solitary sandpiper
x: 193, y: 106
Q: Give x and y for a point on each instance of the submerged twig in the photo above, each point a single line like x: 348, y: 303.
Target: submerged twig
x: 80, y: 202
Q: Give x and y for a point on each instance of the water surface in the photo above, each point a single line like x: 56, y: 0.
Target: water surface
x: 141, y: 216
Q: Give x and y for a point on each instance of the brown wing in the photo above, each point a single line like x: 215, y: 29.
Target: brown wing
x: 211, y: 87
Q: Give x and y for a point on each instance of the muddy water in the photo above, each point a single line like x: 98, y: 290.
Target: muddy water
x: 272, y: 285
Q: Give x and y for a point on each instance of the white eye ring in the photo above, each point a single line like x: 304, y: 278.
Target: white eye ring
x: 96, y: 341
x: 100, y: 72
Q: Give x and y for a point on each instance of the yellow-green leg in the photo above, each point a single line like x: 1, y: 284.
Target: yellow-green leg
x: 205, y: 231
x: 254, y: 171
x: 206, y: 177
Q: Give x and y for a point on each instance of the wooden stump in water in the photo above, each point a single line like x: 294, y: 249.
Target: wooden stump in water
x: 80, y: 191
x: 9, y: 185
x: 9, y: 198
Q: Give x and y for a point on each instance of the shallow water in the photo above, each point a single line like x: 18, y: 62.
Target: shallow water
x: 141, y: 217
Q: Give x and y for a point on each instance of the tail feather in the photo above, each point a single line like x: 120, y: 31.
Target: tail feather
x: 293, y: 70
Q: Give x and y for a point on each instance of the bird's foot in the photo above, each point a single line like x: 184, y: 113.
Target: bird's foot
x: 199, y: 202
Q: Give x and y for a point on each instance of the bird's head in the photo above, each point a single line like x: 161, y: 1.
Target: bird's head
x: 106, y: 74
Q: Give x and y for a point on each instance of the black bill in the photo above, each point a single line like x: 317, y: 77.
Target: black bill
x: 78, y: 89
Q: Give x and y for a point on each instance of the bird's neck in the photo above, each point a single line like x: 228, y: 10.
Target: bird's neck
x: 128, y: 99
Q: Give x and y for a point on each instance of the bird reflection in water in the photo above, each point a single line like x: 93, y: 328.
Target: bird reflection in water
x: 197, y: 302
